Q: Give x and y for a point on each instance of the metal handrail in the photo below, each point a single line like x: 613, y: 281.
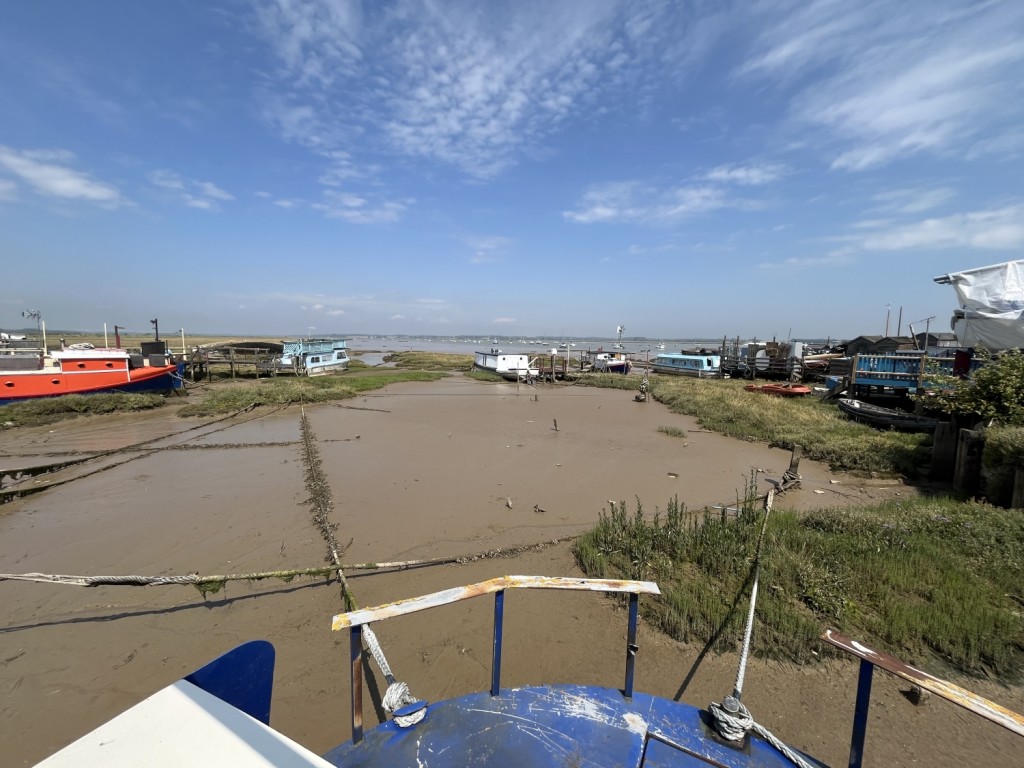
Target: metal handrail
x: 355, y: 620
x: 870, y: 658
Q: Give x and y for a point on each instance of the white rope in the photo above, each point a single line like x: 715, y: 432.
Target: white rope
x: 397, y: 694
x: 732, y: 720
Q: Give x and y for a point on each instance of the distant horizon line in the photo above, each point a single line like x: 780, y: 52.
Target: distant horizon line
x: 481, y: 338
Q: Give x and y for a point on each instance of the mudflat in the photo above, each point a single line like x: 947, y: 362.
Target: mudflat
x: 454, y: 467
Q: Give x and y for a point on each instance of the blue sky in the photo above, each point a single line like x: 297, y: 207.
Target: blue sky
x: 686, y: 169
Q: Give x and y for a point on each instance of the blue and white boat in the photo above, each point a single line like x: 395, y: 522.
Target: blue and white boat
x: 701, y: 366
x: 220, y: 714
x: 313, y: 357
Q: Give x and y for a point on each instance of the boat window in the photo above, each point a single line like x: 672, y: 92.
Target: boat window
x: 110, y: 365
x: 8, y: 383
x: 81, y: 365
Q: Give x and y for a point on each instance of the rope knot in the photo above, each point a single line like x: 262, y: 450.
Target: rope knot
x: 731, y: 719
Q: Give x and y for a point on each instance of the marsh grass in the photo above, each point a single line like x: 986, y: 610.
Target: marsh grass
x: 483, y: 376
x: 430, y: 361
x: 287, y: 391
x: 608, y: 381
x: 672, y: 431
x: 924, y: 578
x: 823, y: 432
x: 47, y: 410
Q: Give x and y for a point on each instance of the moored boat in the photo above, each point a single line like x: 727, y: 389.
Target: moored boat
x: 84, y: 369
x: 220, y: 714
x: 313, y: 357
x: 611, y: 362
x: 701, y: 366
x: 512, y: 366
x: 885, y: 418
x: 780, y: 389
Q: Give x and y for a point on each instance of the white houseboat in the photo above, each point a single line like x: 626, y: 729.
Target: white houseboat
x: 313, y: 357
x: 512, y: 366
x: 701, y: 366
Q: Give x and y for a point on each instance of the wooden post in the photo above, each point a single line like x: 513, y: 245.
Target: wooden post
x: 943, y: 451
x: 967, y: 472
x: 794, y: 460
x: 1018, y: 489
x: 231, y: 359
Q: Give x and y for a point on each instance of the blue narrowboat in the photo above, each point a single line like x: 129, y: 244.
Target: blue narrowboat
x: 701, y: 366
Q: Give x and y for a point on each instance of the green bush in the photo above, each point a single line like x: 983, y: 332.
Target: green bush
x: 1004, y: 453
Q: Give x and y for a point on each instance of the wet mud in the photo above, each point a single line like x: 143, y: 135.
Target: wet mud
x: 414, y: 471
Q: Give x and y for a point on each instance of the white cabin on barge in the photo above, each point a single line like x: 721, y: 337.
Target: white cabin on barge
x: 511, y: 366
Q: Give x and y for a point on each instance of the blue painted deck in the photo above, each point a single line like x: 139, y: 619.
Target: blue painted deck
x: 909, y: 372
x: 570, y: 725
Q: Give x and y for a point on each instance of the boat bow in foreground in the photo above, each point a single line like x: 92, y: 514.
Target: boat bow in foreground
x: 220, y: 714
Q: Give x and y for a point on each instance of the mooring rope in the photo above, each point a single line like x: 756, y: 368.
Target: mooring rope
x: 212, y: 583
x: 731, y: 719
x: 397, y: 694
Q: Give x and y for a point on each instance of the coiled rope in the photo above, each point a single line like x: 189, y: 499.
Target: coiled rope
x: 731, y: 719
x: 397, y: 694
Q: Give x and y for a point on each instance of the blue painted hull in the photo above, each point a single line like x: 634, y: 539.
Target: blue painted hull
x: 555, y: 725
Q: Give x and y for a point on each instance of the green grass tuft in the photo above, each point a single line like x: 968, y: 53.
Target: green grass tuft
x: 924, y: 578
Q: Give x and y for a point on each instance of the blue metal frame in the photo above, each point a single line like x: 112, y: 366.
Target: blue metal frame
x: 356, y: 657
x: 860, y: 713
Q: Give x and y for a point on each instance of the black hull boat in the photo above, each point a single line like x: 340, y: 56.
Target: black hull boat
x: 886, y: 418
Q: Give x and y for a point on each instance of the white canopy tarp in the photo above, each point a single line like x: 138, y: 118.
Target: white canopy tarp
x: 991, y: 305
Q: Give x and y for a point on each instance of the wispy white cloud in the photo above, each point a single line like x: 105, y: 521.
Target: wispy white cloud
x: 913, y: 200
x: 636, y: 202
x: 357, y: 210
x: 835, y: 258
x: 212, y: 191
x: 1009, y: 145
x: 194, y: 193
x: 747, y: 175
x: 49, y: 173
x: 994, y: 229
x: 889, y: 81
x: 486, y: 248
x: 473, y: 86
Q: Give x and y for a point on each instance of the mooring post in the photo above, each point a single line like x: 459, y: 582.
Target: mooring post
x: 967, y: 473
x: 943, y: 451
x: 794, y: 460
x: 1018, y: 489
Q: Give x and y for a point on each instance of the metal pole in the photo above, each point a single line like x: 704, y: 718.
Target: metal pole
x: 105, y: 343
x: 356, y: 660
x: 631, y: 646
x: 499, y: 606
x: 860, y: 713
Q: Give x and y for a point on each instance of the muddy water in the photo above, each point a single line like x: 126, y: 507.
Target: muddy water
x: 417, y: 470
